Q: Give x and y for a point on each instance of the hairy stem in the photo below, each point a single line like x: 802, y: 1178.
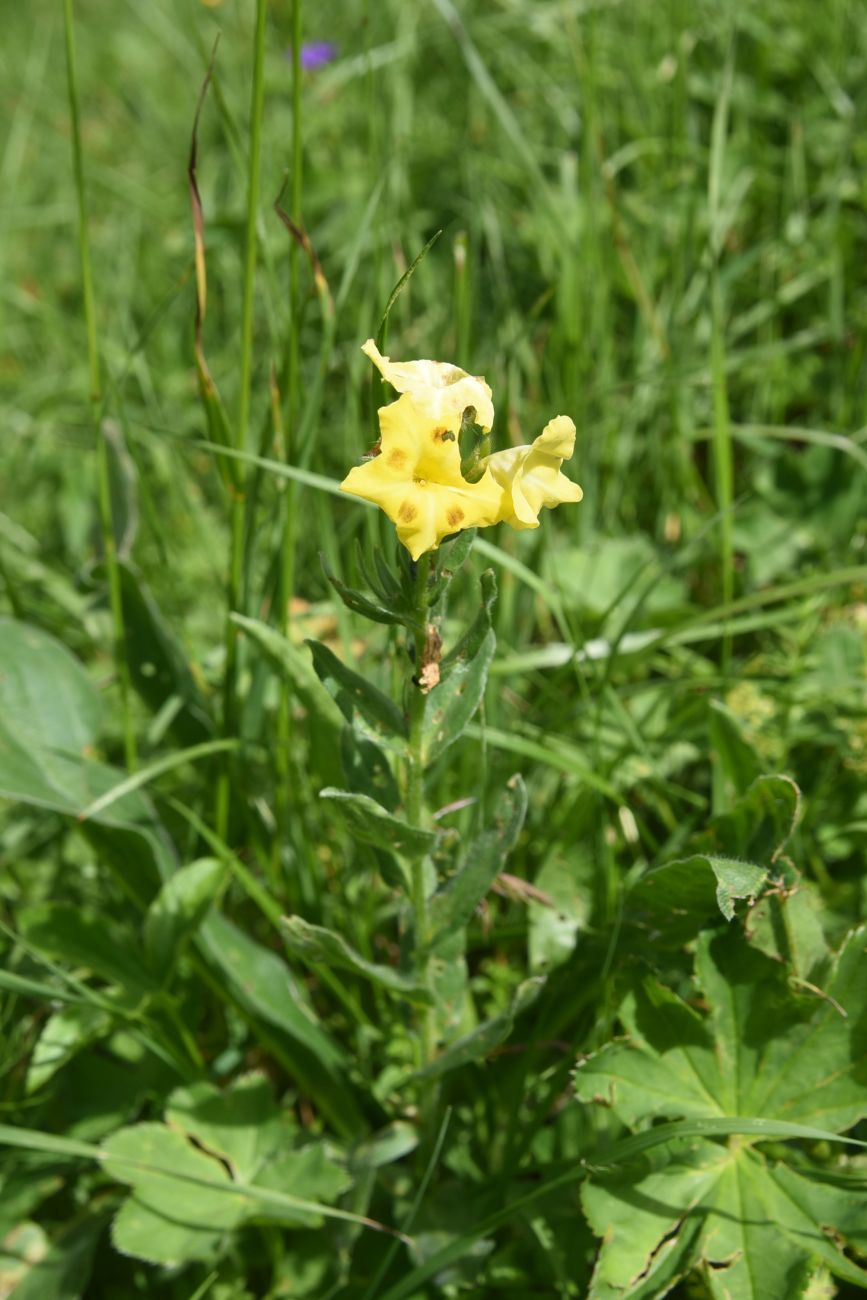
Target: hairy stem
x: 415, y: 805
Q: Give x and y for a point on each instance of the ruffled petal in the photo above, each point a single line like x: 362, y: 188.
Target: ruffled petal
x: 444, y: 390
x: 530, y: 476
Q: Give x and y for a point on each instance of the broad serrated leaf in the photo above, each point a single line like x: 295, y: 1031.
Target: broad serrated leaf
x: 373, y: 824
x: 222, y: 1158
x: 674, y: 901
x: 324, y: 947
x: 453, y: 905
x: 762, y: 1054
x: 758, y: 824
x: 241, y: 1123
x: 787, y: 924
x: 178, y: 909
x: 355, y: 692
x: 167, y: 1220
x: 450, y: 706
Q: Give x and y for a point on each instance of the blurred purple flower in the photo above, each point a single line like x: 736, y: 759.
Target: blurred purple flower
x: 315, y: 53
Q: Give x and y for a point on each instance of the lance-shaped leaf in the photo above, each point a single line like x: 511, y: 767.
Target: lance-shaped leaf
x: 294, y: 664
x: 369, y: 607
x: 482, y: 1040
x: 178, y: 909
x: 372, y: 824
x: 367, y: 770
x: 323, y: 947
x: 453, y: 905
x: 761, y: 1054
x: 450, y: 706
x: 355, y: 692
x: 470, y: 643
x: 675, y: 900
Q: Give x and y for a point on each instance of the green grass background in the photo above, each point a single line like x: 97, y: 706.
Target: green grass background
x: 653, y: 220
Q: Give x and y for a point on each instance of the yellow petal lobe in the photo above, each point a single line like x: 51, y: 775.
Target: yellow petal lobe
x: 416, y: 478
x: 531, y: 477
x: 444, y: 390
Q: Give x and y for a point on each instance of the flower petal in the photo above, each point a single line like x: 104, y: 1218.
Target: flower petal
x: 444, y: 390
x: 530, y: 476
x: 416, y: 479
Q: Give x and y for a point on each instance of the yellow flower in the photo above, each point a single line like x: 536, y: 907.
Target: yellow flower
x: 416, y: 477
x: 530, y: 477
x: 443, y: 391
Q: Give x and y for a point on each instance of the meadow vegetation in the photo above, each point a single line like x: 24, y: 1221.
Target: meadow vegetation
x: 561, y: 990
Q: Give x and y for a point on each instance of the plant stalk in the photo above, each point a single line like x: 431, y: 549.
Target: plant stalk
x: 96, y: 402
x: 234, y: 584
x: 415, y: 807
x: 290, y: 450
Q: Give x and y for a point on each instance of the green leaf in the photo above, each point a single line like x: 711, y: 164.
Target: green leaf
x: 738, y: 760
x: 85, y: 939
x: 448, y: 559
x: 46, y: 697
x: 165, y: 1220
x: 64, y: 1033
x: 158, y: 666
x: 761, y: 1056
x: 293, y: 664
x: 470, y: 643
x: 555, y: 925
x: 674, y: 901
x: 49, y: 715
x: 367, y: 606
x: 482, y: 1040
x: 308, y: 1173
x: 241, y: 1123
x: 787, y: 924
x: 260, y: 981
x: 64, y: 1271
x: 758, y: 824
x: 235, y: 1147
x: 178, y: 910
x: 454, y: 904
x: 321, y: 946
x: 372, y: 824
x: 355, y: 692
x: 367, y: 770
x: 450, y: 706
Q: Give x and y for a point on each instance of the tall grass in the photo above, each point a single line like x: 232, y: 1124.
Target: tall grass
x: 652, y: 220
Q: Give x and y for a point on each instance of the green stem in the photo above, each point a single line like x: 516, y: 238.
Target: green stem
x: 236, y: 556
x: 288, y: 540
x: 96, y: 402
x: 415, y: 807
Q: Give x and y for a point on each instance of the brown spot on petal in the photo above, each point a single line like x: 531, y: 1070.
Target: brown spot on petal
x: 397, y: 458
x: 443, y: 435
x: 454, y: 516
x: 407, y: 512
